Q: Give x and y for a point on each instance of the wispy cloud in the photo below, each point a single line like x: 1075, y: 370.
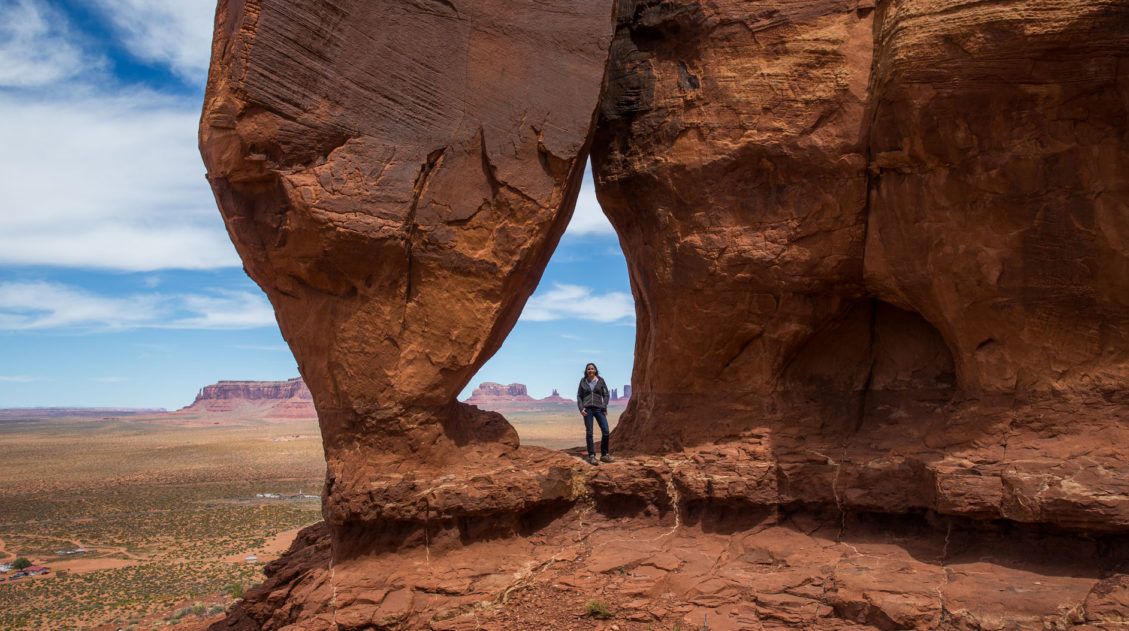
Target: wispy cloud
x: 111, y: 379
x: 111, y: 182
x: 176, y: 34
x: 99, y: 175
x: 18, y: 379
x: 564, y: 301
x: 49, y: 305
x: 225, y: 310
x: 38, y: 47
x: 41, y: 305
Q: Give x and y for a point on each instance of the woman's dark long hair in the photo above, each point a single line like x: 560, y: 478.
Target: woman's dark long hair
x: 585, y: 375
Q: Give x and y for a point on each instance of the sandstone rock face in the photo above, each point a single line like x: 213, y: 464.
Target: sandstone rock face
x: 395, y: 176
x: 668, y: 543
x: 731, y: 160
x: 900, y: 207
x: 883, y: 244
x: 999, y: 190
x: 879, y: 259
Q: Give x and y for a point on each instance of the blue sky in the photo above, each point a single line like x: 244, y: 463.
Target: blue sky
x: 118, y: 284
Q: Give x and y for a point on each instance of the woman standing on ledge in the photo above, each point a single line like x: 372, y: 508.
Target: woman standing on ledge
x: 592, y: 399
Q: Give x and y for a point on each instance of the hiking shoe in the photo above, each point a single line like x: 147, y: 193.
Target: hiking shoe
x: 607, y: 458
x: 591, y: 459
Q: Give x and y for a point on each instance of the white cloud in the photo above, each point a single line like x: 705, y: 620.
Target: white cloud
x: 106, y: 181
x: 226, y: 310
x: 588, y: 218
x: 174, y: 33
x: 96, y: 175
x: 17, y: 379
x: 565, y: 301
x: 42, y: 305
x: 37, y: 46
x: 48, y: 305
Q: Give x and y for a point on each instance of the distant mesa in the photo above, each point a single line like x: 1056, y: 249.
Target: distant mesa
x: 500, y: 398
x: 557, y: 398
x: 489, y: 389
x: 255, y: 391
x: 215, y: 404
x: 515, y: 397
x: 291, y: 400
x: 288, y: 399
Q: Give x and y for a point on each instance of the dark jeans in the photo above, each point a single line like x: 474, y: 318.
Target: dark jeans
x: 602, y: 418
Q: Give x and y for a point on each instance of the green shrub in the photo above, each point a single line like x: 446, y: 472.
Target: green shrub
x: 21, y: 563
x: 235, y: 590
x: 598, y: 609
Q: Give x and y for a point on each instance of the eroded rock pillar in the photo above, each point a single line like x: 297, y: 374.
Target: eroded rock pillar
x: 395, y: 176
x: 730, y: 157
x: 796, y: 182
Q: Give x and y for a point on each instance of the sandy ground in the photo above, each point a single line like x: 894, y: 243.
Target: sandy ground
x: 271, y: 550
x: 84, y: 482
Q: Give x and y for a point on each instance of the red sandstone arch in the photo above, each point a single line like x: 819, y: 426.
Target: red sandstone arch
x: 828, y: 192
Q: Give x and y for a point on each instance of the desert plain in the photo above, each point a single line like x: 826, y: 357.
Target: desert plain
x: 168, y: 508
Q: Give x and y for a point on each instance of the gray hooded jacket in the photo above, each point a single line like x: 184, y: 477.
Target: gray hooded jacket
x: 597, y: 398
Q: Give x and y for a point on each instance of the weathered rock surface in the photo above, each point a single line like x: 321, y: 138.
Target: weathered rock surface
x: 730, y: 157
x: 879, y: 259
x: 395, y: 177
x: 650, y: 540
x: 911, y: 217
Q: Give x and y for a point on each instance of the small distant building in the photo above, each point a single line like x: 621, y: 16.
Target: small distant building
x: 33, y: 570
x: 5, y: 567
x: 251, y: 558
x: 627, y: 391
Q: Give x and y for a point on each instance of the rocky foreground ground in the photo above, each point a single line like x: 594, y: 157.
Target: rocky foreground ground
x: 731, y: 535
